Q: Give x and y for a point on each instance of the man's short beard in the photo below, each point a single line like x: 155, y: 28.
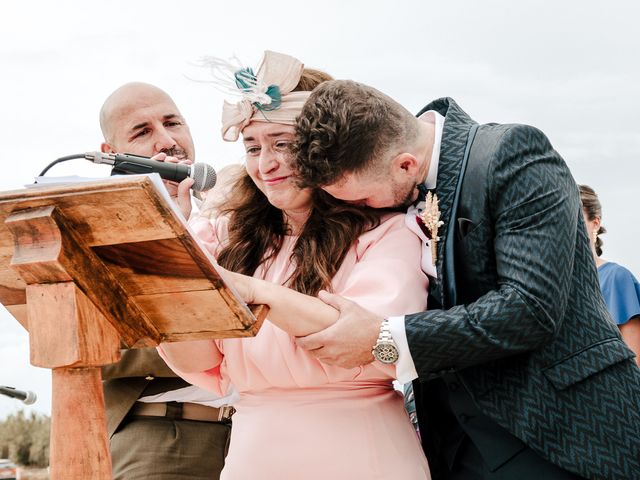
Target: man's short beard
x: 177, y: 152
x: 402, y: 199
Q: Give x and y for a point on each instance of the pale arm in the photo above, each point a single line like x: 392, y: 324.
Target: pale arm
x: 191, y: 357
x: 631, y: 335
x: 294, y: 312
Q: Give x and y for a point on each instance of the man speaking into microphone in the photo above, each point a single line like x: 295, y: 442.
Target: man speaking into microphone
x: 142, y: 119
x: 159, y: 426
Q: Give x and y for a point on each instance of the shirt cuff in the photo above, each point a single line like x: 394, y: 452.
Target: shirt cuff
x: 405, y: 368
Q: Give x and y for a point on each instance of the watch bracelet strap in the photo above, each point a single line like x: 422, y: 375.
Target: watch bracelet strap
x: 385, y: 332
x: 384, y: 335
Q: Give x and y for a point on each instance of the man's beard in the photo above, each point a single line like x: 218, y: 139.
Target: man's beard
x: 402, y: 196
x: 177, y: 152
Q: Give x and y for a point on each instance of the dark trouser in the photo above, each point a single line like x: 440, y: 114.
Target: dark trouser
x: 161, y: 448
x: 525, y: 465
x: 471, y: 446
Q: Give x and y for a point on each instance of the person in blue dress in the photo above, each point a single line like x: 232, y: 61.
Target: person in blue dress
x: 620, y: 289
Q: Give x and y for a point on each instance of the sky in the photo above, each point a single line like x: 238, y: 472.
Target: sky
x: 570, y: 68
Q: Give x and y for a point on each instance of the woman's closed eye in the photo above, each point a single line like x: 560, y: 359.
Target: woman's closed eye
x: 282, y: 145
x: 252, y: 151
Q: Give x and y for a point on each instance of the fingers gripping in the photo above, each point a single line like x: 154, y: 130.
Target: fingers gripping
x: 336, y: 301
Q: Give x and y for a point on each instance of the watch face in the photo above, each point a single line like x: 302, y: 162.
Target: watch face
x: 386, y: 352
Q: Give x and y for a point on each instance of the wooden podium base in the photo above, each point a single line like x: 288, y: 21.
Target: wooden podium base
x: 79, y: 426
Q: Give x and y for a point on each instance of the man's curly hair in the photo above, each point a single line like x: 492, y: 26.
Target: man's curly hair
x: 347, y: 127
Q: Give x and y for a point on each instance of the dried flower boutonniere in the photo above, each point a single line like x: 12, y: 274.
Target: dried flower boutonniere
x: 430, y: 217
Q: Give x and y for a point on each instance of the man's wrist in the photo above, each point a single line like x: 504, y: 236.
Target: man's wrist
x: 385, y: 349
x: 405, y: 368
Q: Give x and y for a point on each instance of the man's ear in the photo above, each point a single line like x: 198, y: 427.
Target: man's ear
x: 107, y: 148
x: 406, y: 164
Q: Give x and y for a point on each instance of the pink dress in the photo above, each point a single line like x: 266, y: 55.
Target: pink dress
x: 299, y: 419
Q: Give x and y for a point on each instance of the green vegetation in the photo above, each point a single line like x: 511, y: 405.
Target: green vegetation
x: 25, y: 439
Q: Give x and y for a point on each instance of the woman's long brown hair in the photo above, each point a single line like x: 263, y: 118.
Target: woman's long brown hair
x: 257, y: 228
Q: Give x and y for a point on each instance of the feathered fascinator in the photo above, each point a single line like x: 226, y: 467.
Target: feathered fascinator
x: 265, y: 96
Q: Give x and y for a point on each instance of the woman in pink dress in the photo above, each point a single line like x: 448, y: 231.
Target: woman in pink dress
x: 296, y: 417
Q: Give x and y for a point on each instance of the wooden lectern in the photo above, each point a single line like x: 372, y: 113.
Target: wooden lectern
x: 88, y: 267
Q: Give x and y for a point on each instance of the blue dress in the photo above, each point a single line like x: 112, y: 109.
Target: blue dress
x: 621, y: 292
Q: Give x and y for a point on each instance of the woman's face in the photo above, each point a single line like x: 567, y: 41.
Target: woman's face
x: 267, y: 146
x: 592, y: 226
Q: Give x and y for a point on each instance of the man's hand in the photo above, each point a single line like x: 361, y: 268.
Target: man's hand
x: 348, y: 342
x: 179, y: 192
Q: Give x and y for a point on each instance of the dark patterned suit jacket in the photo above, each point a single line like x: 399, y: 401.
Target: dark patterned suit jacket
x: 518, y: 315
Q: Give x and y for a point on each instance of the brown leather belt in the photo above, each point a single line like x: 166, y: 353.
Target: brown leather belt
x: 184, y: 411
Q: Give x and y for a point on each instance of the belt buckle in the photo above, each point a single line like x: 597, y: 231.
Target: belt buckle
x: 225, y: 412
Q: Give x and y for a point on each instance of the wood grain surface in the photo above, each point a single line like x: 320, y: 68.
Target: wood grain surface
x: 79, y: 425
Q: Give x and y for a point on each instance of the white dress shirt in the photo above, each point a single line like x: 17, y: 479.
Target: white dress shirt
x: 405, y: 368
x: 192, y: 394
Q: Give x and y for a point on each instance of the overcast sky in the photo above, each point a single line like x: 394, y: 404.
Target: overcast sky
x: 570, y: 68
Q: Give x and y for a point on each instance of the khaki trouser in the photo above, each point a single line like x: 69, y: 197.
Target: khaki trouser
x: 162, y: 448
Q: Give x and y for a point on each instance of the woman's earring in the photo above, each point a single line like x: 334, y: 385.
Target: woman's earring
x: 595, y: 235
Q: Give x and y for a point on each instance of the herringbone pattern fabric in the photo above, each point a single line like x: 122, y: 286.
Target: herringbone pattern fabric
x: 454, y: 140
x: 531, y: 338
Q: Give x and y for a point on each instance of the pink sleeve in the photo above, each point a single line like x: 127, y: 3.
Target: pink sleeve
x: 387, y: 277
x: 210, y: 380
x: 212, y: 233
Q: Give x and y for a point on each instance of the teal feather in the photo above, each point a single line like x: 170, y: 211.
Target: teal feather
x: 276, y: 99
x: 245, y: 79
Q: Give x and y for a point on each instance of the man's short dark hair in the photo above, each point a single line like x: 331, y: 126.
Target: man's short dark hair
x: 347, y: 127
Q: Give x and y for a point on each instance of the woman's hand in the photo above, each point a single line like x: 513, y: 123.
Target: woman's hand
x: 179, y: 192
x: 247, y: 287
x: 294, y: 312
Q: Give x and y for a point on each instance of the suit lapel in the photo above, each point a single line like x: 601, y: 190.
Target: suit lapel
x: 452, y: 148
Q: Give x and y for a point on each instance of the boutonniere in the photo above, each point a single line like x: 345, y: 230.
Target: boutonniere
x: 430, y: 218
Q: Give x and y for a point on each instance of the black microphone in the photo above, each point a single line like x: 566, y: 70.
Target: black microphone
x: 28, y: 398
x: 204, y: 175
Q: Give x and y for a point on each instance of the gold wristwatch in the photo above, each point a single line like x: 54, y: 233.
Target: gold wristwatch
x: 385, y: 350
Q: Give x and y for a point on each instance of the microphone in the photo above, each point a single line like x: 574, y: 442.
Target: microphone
x: 204, y: 175
x: 28, y: 397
